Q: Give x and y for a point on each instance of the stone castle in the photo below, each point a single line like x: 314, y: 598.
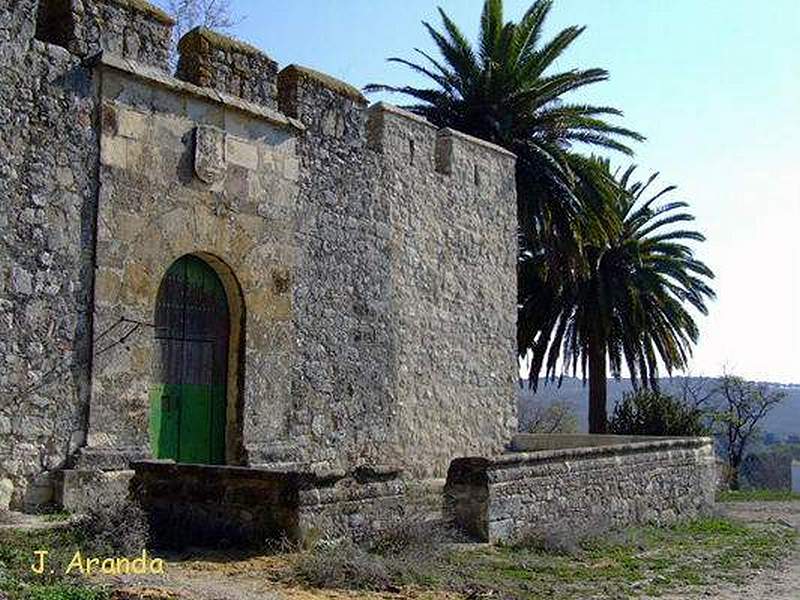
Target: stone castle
x: 236, y: 264
x: 261, y: 307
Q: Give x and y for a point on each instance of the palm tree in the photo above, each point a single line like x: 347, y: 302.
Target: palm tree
x: 503, y: 91
x: 631, y: 305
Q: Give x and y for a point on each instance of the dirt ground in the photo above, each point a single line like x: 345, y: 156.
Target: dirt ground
x: 224, y: 578
x: 782, y: 583
x: 241, y: 579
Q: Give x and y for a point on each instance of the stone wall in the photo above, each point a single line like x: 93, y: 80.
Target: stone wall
x: 581, y: 490
x: 209, y: 505
x: 185, y: 173
x: 48, y: 158
x: 127, y: 28
x: 405, y: 289
x: 368, y: 258
x: 452, y: 220
x: 343, y: 409
x: 211, y: 60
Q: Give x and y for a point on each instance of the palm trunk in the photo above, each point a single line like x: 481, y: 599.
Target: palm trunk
x: 598, y: 418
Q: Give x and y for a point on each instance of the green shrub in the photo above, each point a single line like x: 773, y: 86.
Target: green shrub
x: 649, y: 412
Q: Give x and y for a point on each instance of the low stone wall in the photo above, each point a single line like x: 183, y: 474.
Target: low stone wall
x: 581, y: 489
x: 204, y: 505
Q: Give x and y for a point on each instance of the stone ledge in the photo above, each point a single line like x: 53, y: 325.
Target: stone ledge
x: 158, y: 77
x: 82, y: 489
x: 386, y: 107
x: 447, y: 132
x: 395, y: 131
x: 629, y: 445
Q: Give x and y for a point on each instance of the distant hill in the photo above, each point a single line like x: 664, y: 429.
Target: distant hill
x: 782, y: 421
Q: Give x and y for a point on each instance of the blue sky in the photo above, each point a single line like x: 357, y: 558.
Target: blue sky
x: 713, y: 84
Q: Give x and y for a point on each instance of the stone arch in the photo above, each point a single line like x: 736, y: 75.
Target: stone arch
x: 234, y: 364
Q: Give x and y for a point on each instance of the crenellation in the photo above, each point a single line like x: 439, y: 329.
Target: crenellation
x: 411, y: 140
x: 131, y: 29
x: 209, y: 59
x: 408, y: 138
x: 328, y: 108
x: 298, y: 87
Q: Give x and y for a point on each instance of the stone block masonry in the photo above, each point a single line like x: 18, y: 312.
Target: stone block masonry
x: 569, y: 491
x: 208, y: 59
x: 196, y: 505
x: 128, y: 28
x: 367, y: 262
x: 367, y: 258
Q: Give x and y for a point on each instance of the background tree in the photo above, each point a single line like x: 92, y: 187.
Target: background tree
x: 767, y: 470
x: 650, y: 412
x: 631, y: 305
x: 553, y: 417
x: 505, y: 90
x: 188, y: 14
x: 697, y: 392
x: 741, y: 407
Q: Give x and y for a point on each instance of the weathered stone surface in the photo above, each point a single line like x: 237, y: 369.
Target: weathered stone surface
x: 130, y: 28
x: 6, y: 493
x: 588, y: 489
x: 80, y: 490
x: 209, y: 505
x: 368, y: 258
x: 393, y: 260
x: 209, y: 59
x: 209, y: 153
x: 48, y: 157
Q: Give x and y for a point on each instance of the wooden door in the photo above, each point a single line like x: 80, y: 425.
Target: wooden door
x: 188, y: 398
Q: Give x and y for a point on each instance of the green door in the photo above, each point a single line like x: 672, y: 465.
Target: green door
x: 188, y: 397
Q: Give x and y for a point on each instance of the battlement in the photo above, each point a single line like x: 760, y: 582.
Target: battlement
x: 409, y: 140
x: 328, y: 107
x: 209, y: 59
x: 297, y: 85
x: 132, y: 29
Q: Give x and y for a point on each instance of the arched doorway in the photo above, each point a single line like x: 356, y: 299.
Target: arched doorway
x: 188, y: 400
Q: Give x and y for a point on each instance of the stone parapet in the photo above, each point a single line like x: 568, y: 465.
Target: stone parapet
x: 212, y: 60
x: 416, y: 142
x: 588, y: 489
x: 158, y: 79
